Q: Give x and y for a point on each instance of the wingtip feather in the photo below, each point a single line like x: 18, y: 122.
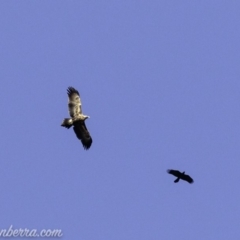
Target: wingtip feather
x: 72, y: 90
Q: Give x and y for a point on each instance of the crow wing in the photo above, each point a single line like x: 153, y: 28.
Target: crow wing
x: 174, y: 172
x: 82, y: 134
x: 74, y: 102
x: 187, y: 178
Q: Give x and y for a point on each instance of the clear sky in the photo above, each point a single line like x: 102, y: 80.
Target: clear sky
x: 160, y: 81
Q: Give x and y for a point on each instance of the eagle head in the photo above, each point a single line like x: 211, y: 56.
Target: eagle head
x: 86, y: 117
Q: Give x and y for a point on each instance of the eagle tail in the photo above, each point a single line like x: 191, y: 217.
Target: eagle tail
x: 67, y: 123
x: 177, y: 180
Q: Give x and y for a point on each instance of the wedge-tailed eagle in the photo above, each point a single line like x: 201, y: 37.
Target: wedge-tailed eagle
x: 77, y: 119
x: 180, y: 175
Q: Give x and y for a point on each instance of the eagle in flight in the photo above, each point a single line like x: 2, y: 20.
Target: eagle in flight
x: 180, y: 175
x: 77, y: 119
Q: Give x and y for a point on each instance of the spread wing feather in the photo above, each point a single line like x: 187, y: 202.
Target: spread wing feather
x: 82, y: 134
x: 187, y: 178
x: 74, y: 102
x: 174, y: 172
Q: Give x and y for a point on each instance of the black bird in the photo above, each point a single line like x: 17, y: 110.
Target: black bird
x: 180, y: 175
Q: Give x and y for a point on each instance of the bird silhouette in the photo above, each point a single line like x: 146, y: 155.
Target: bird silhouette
x: 180, y: 175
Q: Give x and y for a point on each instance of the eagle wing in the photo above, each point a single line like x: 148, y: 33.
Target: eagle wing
x: 187, y: 178
x: 74, y: 102
x: 174, y: 172
x: 82, y: 134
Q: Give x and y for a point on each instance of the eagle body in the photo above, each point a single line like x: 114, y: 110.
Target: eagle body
x: 77, y: 118
x: 180, y: 175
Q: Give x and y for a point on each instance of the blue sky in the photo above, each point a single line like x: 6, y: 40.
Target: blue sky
x: 160, y: 81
